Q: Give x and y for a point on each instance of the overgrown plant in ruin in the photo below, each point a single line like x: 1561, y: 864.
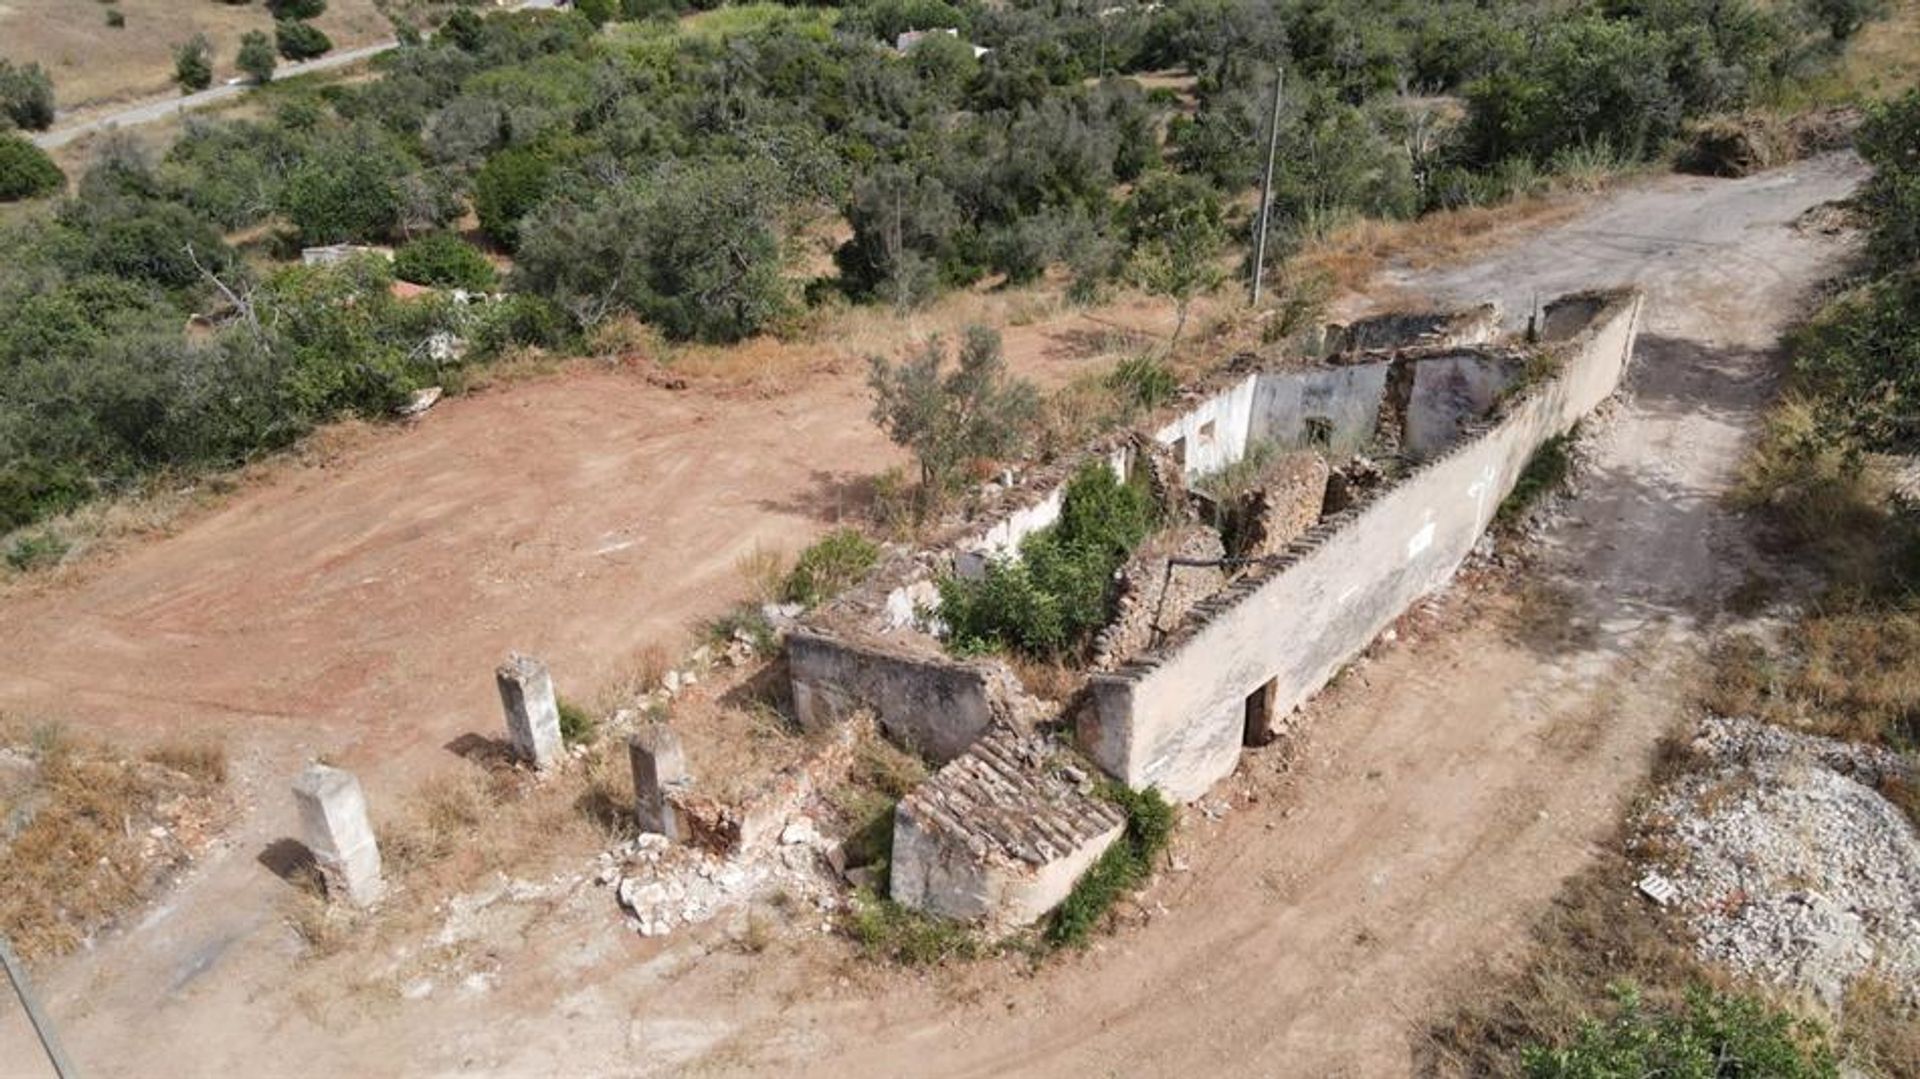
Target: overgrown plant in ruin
x: 1049, y: 600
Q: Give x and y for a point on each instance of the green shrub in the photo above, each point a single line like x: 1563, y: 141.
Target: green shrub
x: 1123, y: 867
x: 26, y: 171
x: 1143, y: 382
x: 116, y: 19
x: 193, y: 64
x: 26, y: 95
x: 577, y: 725
x: 256, y: 56
x: 509, y: 186
x: 300, y: 40
x: 1049, y: 601
x: 446, y: 261
x: 1714, y: 1036
x: 297, y: 9
x: 35, y: 550
x: 827, y: 568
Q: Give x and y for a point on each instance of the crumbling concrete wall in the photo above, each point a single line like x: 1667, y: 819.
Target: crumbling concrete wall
x: 1449, y: 394
x: 1175, y: 717
x: 1213, y: 433
x: 1417, y: 329
x: 1149, y: 600
x: 1341, y: 402
x: 1000, y: 835
x: 935, y: 705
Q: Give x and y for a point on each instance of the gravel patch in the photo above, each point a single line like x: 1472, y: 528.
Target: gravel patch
x: 1788, y: 864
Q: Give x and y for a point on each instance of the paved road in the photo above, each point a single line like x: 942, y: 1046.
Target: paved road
x: 160, y: 108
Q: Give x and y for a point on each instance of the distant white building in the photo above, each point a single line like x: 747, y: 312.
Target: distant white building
x: 905, y: 42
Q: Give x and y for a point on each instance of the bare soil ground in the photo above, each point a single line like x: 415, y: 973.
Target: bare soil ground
x: 1315, y: 921
x: 93, y: 64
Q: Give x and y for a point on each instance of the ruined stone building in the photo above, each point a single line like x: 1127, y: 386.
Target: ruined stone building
x: 1306, y: 506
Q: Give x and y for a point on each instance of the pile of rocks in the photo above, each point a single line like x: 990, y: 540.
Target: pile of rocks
x: 664, y: 886
x: 1791, y: 865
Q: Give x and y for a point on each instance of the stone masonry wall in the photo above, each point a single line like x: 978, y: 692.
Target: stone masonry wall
x: 1285, y: 504
x: 1149, y: 600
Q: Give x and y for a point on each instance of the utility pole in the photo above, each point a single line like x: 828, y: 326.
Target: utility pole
x: 42, y: 1026
x: 1266, y: 192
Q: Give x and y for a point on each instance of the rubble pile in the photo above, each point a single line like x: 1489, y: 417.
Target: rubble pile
x: 663, y: 886
x: 1791, y: 865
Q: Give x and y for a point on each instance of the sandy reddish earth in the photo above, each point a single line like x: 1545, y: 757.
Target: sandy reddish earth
x: 356, y: 604
x: 1446, y: 788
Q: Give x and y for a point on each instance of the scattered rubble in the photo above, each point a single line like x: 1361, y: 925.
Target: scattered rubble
x: 664, y: 886
x: 1790, y: 864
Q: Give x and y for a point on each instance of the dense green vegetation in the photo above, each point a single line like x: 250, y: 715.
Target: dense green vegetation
x: 1860, y: 357
x: 1047, y: 602
x: 1715, y: 1035
x: 25, y: 170
x: 637, y: 165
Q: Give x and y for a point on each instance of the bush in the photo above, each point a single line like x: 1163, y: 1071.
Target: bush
x: 1713, y: 1035
x: 1143, y: 382
x: 509, y: 186
x: 1123, y: 867
x: 1057, y: 593
x: 26, y: 95
x: 1861, y: 357
x: 300, y: 41
x: 577, y: 726
x: 26, y: 171
x: 256, y: 56
x: 116, y: 19
x: 827, y: 568
x: 193, y: 64
x: 297, y: 9
x: 949, y: 420
x: 446, y: 261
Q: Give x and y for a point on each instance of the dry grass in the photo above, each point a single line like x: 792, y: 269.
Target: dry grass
x: 1850, y: 667
x: 202, y: 759
x: 1882, y: 61
x: 764, y: 570
x: 1596, y: 934
x: 94, y: 65
x: 103, y: 832
x: 1851, y: 674
x: 1349, y: 256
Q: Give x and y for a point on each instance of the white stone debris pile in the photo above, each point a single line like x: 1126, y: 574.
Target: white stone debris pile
x: 664, y: 886
x: 1792, y: 866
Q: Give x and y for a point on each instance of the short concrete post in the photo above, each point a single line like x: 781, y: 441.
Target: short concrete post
x: 659, y: 773
x: 533, y: 715
x: 333, y: 813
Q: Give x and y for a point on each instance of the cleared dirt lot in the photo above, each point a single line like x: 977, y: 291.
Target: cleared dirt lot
x: 93, y: 64
x: 1449, y: 786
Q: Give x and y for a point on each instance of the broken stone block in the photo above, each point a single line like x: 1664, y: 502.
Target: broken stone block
x: 533, y: 713
x: 333, y: 813
x: 659, y: 777
x: 999, y: 836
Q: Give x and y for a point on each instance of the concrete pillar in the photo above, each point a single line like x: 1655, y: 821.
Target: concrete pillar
x: 659, y: 773
x: 533, y: 715
x: 333, y: 813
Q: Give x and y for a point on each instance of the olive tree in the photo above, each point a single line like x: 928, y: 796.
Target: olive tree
x: 949, y: 418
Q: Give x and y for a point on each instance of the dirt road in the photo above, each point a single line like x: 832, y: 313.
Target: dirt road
x: 1449, y: 785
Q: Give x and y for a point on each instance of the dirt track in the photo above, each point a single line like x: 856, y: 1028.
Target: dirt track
x: 1451, y: 783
